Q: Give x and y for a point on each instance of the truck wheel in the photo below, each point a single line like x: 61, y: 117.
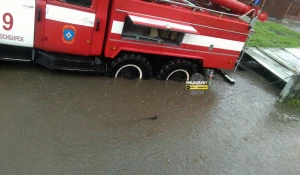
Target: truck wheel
x: 178, y: 70
x: 131, y: 66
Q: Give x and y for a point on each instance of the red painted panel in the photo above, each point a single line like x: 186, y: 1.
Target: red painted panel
x: 81, y: 44
x: 98, y: 36
x: 72, y: 6
x: 204, y: 23
x: 54, y: 38
x: 214, y: 59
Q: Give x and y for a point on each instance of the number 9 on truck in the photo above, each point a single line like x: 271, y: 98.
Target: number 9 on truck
x: 17, y: 19
x: 8, y: 21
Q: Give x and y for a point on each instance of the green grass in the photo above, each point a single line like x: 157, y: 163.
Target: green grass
x: 269, y: 34
x: 295, y: 103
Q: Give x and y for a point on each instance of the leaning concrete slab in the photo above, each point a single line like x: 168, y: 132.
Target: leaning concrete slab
x: 282, y: 62
x: 291, y: 90
x: 269, y: 63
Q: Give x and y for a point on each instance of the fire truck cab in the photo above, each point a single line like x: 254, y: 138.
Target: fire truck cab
x: 128, y: 38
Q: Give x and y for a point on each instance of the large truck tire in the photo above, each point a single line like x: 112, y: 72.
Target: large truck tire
x: 130, y: 66
x: 177, y: 70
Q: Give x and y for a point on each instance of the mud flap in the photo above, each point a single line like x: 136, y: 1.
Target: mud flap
x: 15, y: 53
x: 55, y: 61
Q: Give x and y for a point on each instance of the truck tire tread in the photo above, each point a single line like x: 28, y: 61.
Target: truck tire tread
x: 171, y: 66
x: 131, y: 58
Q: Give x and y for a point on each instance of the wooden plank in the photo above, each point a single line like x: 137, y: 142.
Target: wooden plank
x: 277, y: 8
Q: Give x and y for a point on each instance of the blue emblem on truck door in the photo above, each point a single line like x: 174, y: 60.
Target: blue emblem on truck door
x: 69, y: 33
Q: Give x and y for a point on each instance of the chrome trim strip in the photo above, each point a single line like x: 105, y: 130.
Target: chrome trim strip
x: 130, y: 41
x: 185, y: 22
x: 12, y: 59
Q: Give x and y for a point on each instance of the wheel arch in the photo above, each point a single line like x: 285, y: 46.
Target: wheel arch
x: 112, y: 54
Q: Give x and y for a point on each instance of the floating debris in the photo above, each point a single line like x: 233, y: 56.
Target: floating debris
x: 153, y: 118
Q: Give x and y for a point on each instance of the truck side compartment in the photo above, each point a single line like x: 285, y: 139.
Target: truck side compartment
x: 85, y: 27
x: 217, y: 44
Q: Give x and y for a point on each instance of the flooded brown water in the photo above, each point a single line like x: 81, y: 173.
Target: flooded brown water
x: 65, y: 123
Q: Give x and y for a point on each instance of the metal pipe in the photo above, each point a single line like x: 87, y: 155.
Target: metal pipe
x: 205, y: 9
x: 245, y: 46
x: 235, y: 6
x: 188, y: 2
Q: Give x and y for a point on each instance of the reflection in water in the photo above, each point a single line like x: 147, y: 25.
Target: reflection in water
x: 65, y: 123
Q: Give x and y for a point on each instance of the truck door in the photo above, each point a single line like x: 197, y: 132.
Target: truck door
x: 17, y: 22
x: 69, y: 26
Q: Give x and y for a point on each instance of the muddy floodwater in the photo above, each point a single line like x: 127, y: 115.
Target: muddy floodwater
x: 69, y: 124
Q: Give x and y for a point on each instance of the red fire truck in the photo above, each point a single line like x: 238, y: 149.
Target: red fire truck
x: 128, y: 38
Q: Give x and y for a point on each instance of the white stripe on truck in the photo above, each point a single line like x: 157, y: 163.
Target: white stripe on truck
x: 117, y: 27
x: 207, y: 41
x: 69, y: 16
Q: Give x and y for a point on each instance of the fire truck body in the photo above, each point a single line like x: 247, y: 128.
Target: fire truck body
x: 226, y: 37
x: 98, y: 35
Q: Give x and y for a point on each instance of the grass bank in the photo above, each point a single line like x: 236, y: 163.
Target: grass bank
x: 295, y: 103
x: 269, y: 34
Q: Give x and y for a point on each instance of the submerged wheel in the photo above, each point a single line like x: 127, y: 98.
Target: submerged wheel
x: 130, y: 66
x: 178, y: 70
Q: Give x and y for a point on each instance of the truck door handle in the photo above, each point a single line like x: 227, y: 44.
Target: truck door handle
x: 28, y: 6
x: 39, y: 14
x: 97, y: 25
